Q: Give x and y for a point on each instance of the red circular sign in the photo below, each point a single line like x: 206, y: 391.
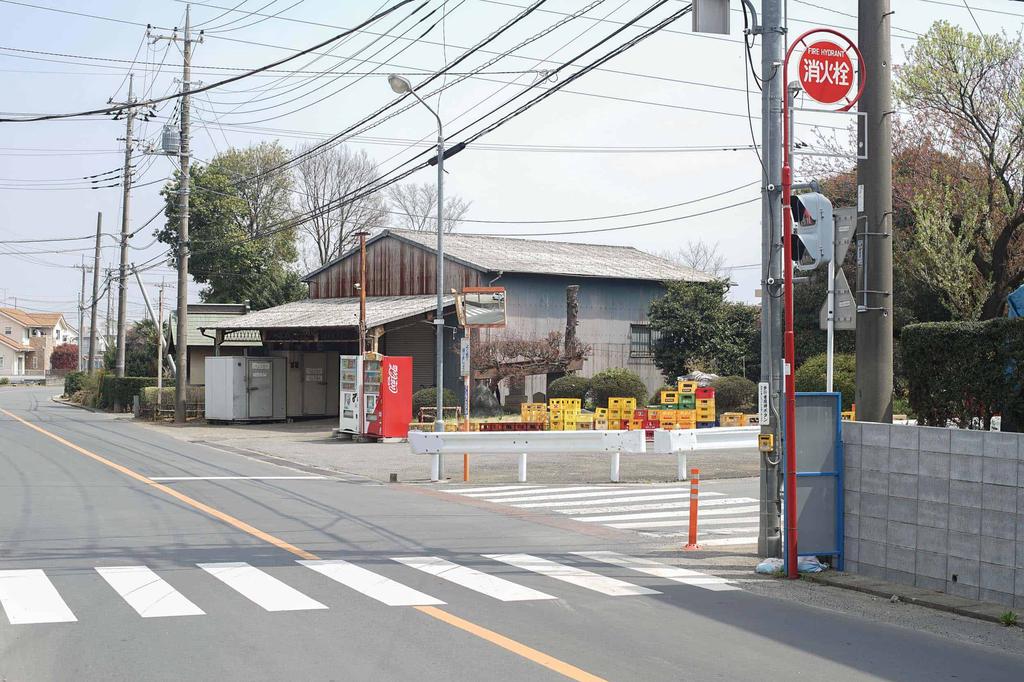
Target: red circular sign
x: 826, y: 72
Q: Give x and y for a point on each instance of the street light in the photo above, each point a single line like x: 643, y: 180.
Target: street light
x: 402, y: 86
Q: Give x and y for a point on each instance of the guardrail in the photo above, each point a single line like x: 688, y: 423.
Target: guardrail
x: 612, y: 443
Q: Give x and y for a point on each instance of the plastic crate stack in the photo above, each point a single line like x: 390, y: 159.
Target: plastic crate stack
x: 564, y: 414
x: 533, y: 412
x: 705, y: 398
x: 620, y: 413
x: 678, y: 408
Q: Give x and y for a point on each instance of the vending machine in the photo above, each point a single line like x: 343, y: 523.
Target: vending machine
x: 385, y: 384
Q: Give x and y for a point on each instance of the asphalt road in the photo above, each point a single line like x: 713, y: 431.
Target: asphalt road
x: 213, y: 566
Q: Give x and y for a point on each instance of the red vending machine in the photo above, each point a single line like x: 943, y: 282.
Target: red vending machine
x: 389, y: 415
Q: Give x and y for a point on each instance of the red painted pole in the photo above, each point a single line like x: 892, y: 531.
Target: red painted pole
x: 789, y: 344
x: 694, y: 484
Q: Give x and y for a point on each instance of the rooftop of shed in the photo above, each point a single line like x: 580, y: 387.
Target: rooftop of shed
x: 333, y: 312
x: 534, y: 256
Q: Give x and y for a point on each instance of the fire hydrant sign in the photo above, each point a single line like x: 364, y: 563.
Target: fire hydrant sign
x: 826, y: 72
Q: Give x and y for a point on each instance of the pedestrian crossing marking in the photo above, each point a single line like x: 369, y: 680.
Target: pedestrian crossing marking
x: 146, y: 592
x: 528, y: 493
x: 371, y: 584
x: 573, y: 575
x: 470, y: 578
x: 604, y: 492
x: 28, y: 596
x: 493, y: 489
x: 631, y: 498
x: 702, y: 503
x: 261, y: 588
x: 656, y: 568
x: 701, y: 513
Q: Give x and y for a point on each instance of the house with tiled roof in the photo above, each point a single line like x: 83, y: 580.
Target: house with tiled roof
x: 27, y: 339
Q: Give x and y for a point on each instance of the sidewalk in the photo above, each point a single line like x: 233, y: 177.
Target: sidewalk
x: 309, y: 443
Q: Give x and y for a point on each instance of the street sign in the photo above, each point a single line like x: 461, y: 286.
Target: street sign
x: 464, y: 356
x: 826, y: 72
x: 763, y: 410
x: 845, y: 315
x: 845, y: 225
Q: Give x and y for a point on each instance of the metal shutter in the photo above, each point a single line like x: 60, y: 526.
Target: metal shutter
x: 414, y: 338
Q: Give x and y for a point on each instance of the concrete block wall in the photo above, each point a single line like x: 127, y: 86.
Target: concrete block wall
x: 936, y: 508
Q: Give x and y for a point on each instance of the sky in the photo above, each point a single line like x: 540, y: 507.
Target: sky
x: 631, y: 137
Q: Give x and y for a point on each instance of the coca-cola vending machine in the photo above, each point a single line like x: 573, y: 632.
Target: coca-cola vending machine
x: 385, y: 385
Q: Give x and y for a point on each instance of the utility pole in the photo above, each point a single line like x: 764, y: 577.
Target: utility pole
x: 160, y: 349
x: 94, y: 305
x: 110, y: 291
x: 874, y: 218
x: 773, y: 45
x: 181, y: 351
x: 126, y: 188
x: 81, y: 314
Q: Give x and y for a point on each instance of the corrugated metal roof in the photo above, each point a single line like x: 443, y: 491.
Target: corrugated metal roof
x: 504, y: 254
x: 197, y: 321
x: 333, y: 312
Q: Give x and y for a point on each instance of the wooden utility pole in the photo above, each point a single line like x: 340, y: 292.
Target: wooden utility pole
x: 94, y: 305
x: 110, y: 292
x: 572, y: 313
x: 126, y: 188
x: 362, y: 291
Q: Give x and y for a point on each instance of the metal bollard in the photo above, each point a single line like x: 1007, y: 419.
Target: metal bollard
x: 694, y: 494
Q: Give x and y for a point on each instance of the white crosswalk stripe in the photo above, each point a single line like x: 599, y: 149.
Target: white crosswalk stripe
x: 28, y: 596
x: 722, y: 520
x: 146, y: 592
x: 573, y: 575
x: 650, y: 567
x: 378, y: 587
x: 470, y: 578
x: 261, y: 588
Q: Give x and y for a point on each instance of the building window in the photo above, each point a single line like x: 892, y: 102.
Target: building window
x: 35, y: 362
x: 8, y: 331
x: 642, y: 340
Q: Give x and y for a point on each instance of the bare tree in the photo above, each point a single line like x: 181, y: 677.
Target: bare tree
x: 324, y: 178
x: 414, y: 207
x: 701, y: 256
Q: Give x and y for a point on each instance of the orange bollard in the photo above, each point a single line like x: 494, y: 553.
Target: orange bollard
x: 465, y: 466
x: 694, y: 484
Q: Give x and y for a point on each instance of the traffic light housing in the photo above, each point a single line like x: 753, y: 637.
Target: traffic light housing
x: 813, y: 230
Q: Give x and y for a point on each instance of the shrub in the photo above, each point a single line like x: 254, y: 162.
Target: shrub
x: 427, y: 397
x: 960, y: 371
x: 193, y: 394
x: 118, y: 393
x: 811, y: 376
x: 734, y: 393
x: 4, y: 381
x: 617, y: 383
x: 73, y: 383
x: 656, y: 397
x: 570, y: 386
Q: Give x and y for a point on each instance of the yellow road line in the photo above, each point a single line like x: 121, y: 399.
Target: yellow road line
x: 529, y: 653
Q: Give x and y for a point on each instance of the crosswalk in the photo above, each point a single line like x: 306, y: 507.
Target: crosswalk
x: 654, y: 511
x: 29, y: 596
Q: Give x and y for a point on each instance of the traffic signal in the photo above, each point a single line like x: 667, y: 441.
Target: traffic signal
x: 813, y: 230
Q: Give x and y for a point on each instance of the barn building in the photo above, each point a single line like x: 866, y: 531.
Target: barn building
x: 616, y: 286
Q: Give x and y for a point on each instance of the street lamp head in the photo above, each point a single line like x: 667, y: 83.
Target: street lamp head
x: 399, y: 84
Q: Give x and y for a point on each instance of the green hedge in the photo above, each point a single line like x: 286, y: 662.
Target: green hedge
x: 617, y: 383
x: 811, y: 376
x: 571, y: 386
x: 427, y: 397
x: 735, y: 393
x: 118, y: 393
x: 73, y: 382
x: 959, y: 371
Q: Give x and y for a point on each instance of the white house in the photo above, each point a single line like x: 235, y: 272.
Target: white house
x: 27, y: 340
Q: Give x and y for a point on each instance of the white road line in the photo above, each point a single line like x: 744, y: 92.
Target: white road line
x: 614, y: 500
x: 660, y: 570
x: 28, y: 596
x: 733, y: 531
x: 685, y: 504
x: 683, y: 521
x: 498, y: 497
x: 261, y: 588
x: 376, y: 586
x: 472, y: 579
x: 600, y: 492
x: 237, y: 478
x: 146, y: 592
x: 492, y: 489
x: 713, y: 511
x: 573, y: 575
x: 722, y: 542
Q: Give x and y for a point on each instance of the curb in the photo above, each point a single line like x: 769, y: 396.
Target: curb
x: 931, y: 599
x: 60, y: 401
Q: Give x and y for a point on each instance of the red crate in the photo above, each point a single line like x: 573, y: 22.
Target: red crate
x: 705, y: 392
x: 652, y: 424
x: 640, y: 413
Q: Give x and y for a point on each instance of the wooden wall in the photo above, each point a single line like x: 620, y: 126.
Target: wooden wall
x: 393, y: 268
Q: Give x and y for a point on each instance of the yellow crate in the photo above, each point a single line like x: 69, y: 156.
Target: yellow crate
x: 688, y: 415
x: 626, y: 414
x: 600, y: 424
x: 704, y: 415
x: 613, y: 413
x: 687, y: 386
x: 635, y: 425
x: 731, y: 419
x: 669, y: 397
x: 585, y: 417
x: 622, y: 403
x: 601, y: 412
x: 706, y: 402
x: 566, y: 403
x: 654, y: 415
